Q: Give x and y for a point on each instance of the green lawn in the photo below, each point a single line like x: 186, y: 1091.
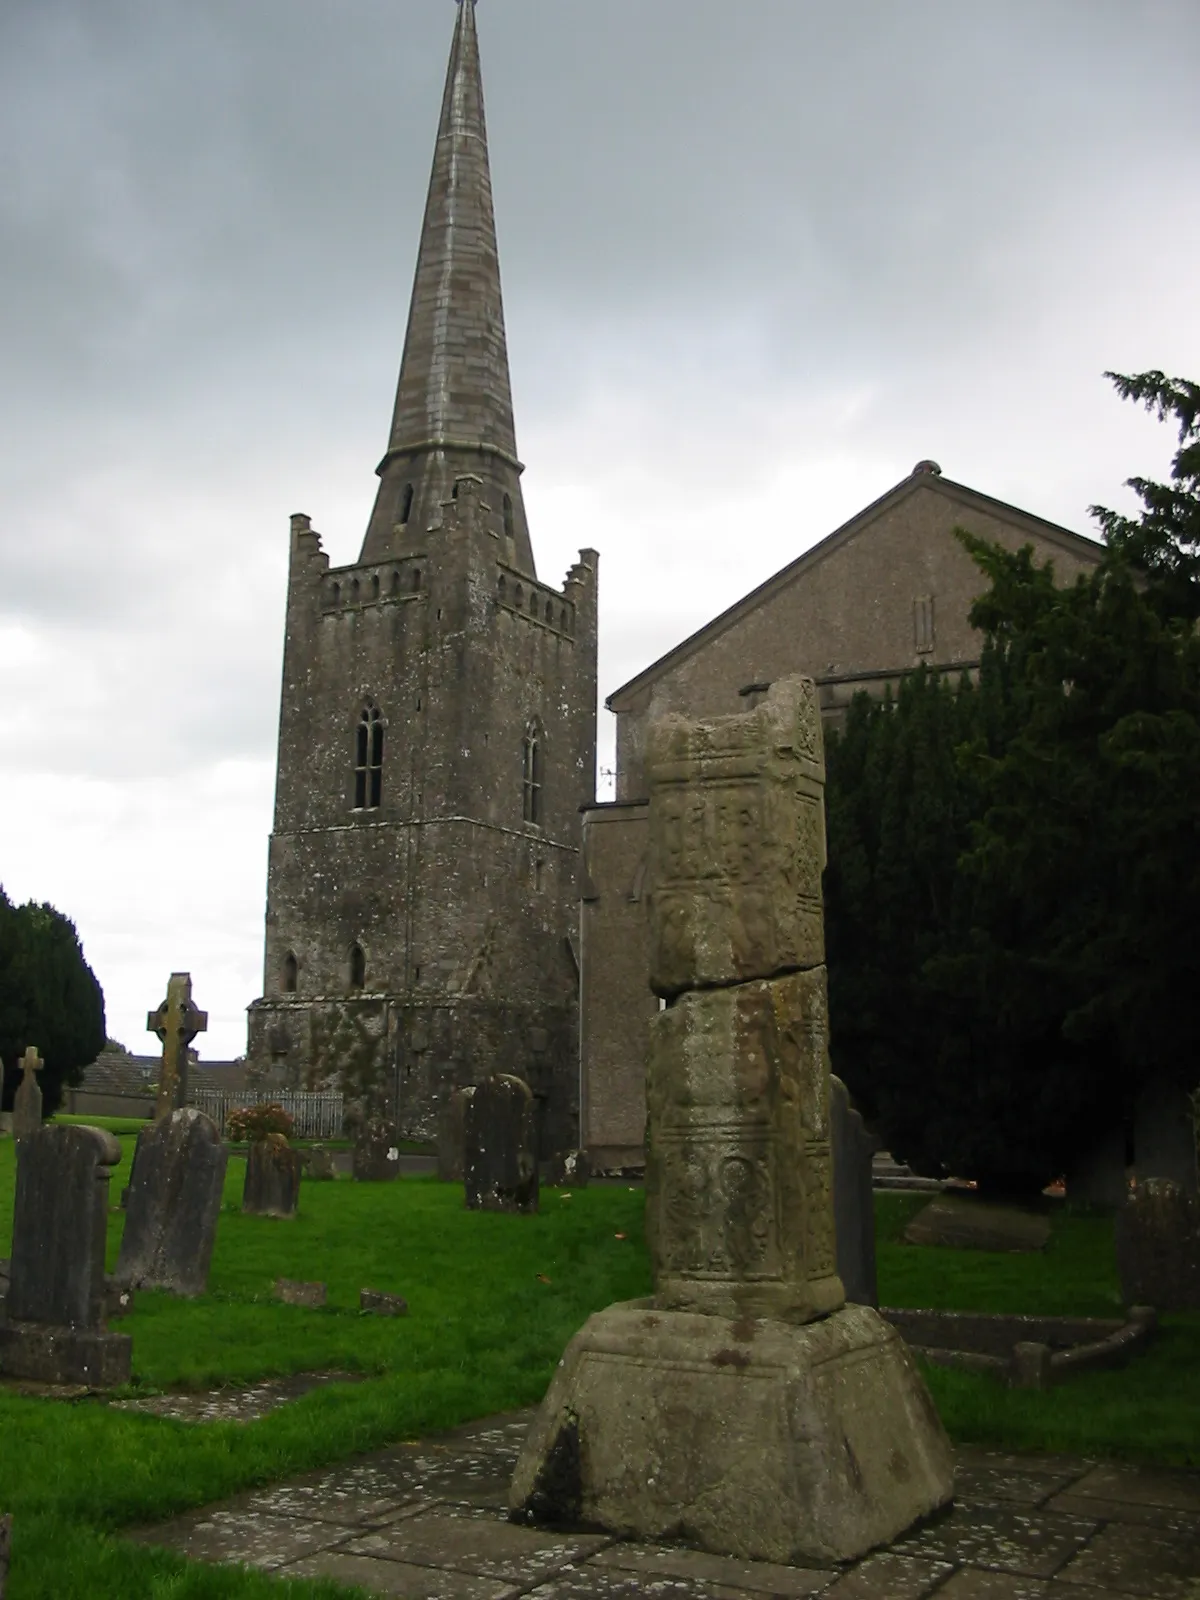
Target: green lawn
x: 483, y: 1335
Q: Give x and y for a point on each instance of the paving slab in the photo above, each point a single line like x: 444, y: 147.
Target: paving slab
x: 593, y: 1583
x: 989, y: 1483
x: 479, y: 1541
x: 747, y: 1577
x: 396, y: 1578
x: 1081, y: 1505
x: 1175, y: 1491
x: 887, y: 1576
x: 1007, y: 1538
x: 1138, y: 1561
x: 972, y: 1584
x: 253, y: 1539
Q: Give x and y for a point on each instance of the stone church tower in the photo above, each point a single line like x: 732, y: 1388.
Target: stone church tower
x: 437, y: 728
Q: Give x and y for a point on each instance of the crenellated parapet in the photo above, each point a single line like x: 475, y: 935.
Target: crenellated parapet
x: 306, y: 551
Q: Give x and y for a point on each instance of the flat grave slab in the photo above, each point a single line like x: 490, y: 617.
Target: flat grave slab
x: 962, y: 1223
x: 246, y: 1404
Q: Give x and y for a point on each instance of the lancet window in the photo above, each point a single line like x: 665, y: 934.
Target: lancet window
x: 531, y: 773
x: 368, y: 759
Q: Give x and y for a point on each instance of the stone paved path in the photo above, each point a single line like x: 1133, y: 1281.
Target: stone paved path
x: 425, y: 1520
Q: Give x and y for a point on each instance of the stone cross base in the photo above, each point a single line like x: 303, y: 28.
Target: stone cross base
x: 43, y: 1353
x: 756, y: 1439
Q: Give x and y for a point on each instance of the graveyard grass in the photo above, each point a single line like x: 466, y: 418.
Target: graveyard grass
x: 493, y: 1300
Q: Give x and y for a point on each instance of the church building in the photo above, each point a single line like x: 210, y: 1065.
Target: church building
x: 437, y: 727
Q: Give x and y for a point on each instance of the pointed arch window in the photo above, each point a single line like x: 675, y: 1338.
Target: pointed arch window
x: 531, y: 773
x: 358, y: 967
x: 291, y: 970
x: 368, y: 759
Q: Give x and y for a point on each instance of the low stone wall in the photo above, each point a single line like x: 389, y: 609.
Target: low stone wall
x: 96, y: 1103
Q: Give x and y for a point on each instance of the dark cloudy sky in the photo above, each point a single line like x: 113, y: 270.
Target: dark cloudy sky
x: 760, y: 256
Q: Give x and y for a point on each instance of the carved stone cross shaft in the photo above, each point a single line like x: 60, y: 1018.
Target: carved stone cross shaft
x: 176, y: 1022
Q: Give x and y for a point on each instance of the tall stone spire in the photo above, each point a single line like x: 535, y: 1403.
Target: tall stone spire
x: 453, y: 412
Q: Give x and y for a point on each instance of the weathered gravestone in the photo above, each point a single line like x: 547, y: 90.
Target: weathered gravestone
x: 1164, y: 1136
x: 172, y: 1205
x: 376, y: 1152
x: 853, y: 1198
x: 451, y: 1135
x: 53, y: 1329
x: 273, y: 1173
x: 1160, y: 1141
x: 27, y: 1102
x: 176, y: 1022
x: 318, y: 1164
x: 500, y: 1170
x: 1158, y: 1247
x: 569, y: 1169
x: 745, y: 1404
x: 1099, y: 1176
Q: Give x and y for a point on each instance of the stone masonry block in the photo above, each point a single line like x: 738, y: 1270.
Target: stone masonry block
x: 737, y: 835
x: 739, y: 1197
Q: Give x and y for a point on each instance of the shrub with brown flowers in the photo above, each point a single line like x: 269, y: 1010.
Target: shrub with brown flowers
x: 249, y: 1124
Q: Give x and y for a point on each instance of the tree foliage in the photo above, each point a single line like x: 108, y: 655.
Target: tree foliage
x: 1014, y: 878
x: 49, y: 998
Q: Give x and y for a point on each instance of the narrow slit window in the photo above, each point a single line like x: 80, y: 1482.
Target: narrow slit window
x: 508, y: 516
x: 531, y: 785
x: 368, y: 759
x: 358, y: 967
x: 923, y: 623
x: 290, y: 973
x: 407, y: 503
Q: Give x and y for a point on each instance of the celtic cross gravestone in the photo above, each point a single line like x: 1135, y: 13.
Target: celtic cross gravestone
x: 27, y: 1103
x: 176, y: 1022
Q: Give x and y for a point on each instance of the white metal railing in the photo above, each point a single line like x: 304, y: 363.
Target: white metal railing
x: 315, y: 1116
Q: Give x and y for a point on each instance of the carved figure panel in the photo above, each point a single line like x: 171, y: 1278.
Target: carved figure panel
x: 737, y: 844
x: 738, y: 1178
